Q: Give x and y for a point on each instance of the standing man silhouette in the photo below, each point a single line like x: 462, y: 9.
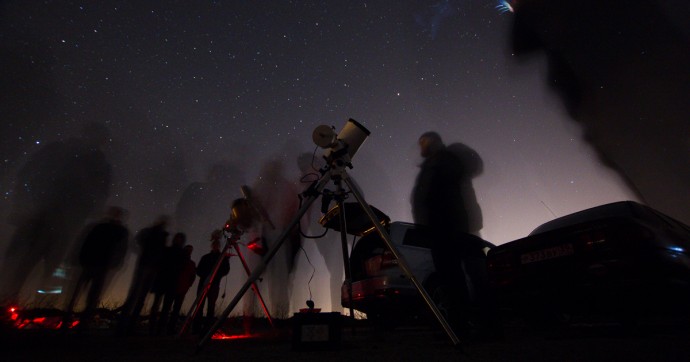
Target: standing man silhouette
x: 443, y: 200
x: 204, y: 270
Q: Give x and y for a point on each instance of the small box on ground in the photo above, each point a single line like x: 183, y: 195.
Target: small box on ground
x: 316, y: 331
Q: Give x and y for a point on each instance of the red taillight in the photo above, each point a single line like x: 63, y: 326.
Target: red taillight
x: 388, y: 259
x: 624, y: 235
x: 501, y: 262
x: 592, y: 240
x: 502, y: 269
x: 376, y: 263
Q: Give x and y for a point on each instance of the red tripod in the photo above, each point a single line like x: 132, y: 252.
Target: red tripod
x: 231, y: 241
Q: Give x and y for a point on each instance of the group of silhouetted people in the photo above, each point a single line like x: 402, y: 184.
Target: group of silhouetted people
x: 443, y: 199
x: 166, y: 271
x: 176, y: 275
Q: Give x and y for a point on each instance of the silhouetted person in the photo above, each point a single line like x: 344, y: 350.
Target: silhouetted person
x: 443, y: 197
x: 102, y: 252
x: 204, y: 270
x: 471, y: 167
x: 278, y: 196
x: 623, y: 75
x: 166, y: 280
x: 185, y: 279
x: 151, y: 242
x: 57, y: 190
x: 443, y: 200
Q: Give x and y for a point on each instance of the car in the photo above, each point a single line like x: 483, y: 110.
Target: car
x: 380, y: 288
x: 623, y: 262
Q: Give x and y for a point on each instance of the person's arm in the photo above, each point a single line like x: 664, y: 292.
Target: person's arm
x: 200, y: 270
x: 224, y: 267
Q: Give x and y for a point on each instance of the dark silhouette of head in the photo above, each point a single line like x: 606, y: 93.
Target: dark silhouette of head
x: 162, y: 221
x: 188, y: 249
x: 215, y: 245
x: 179, y: 240
x: 116, y: 214
x: 430, y: 143
x: 216, y: 235
x: 472, y: 163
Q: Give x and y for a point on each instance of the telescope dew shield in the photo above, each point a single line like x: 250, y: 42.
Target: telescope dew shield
x: 353, y: 135
x: 346, y: 143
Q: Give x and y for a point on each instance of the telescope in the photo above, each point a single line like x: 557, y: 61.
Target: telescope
x: 342, y: 146
x: 340, y: 149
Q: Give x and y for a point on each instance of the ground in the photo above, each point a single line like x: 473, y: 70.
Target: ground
x: 360, y: 341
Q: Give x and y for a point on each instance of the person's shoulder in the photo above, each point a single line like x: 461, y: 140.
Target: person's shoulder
x: 447, y: 154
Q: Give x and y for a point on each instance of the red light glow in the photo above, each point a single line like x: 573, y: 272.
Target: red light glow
x: 256, y: 247
x: 46, y: 322
x: 221, y: 335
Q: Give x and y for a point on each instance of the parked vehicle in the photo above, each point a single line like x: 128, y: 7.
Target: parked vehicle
x: 622, y: 261
x: 379, y: 287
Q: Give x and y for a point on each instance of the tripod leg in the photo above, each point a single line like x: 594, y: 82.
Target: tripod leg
x: 255, y: 288
x: 264, y: 262
x: 343, y: 243
x: 401, y: 261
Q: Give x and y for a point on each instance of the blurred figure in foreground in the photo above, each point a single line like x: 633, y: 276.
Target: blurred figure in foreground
x: 58, y: 188
x: 185, y: 279
x: 206, y: 265
x: 151, y: 242
x: 443, y: 199
x: 623, y: 75
x: 102, y: 252
x: 164, y: 286
x: 275, y: 194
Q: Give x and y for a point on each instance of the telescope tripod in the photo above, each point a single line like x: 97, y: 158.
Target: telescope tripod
x: 336, y: 172
x: 231, y: 241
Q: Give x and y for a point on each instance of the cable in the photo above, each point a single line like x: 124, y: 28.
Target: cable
x: 225, y: 289
x: 313, y: 271
x: 299, y: 226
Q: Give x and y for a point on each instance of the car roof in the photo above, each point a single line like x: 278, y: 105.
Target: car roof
x: 628, y: 209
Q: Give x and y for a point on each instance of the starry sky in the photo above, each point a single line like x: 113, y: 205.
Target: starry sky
x: 182, y: 86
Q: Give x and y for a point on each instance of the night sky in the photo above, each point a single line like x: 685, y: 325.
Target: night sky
x: 183, y: 86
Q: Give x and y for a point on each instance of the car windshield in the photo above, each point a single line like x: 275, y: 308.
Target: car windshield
x: 618, y: 209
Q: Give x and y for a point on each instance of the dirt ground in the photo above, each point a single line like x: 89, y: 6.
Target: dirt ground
x: 359, y: 341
